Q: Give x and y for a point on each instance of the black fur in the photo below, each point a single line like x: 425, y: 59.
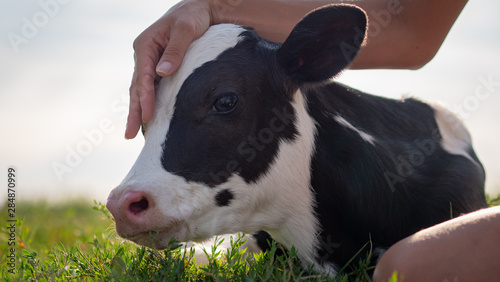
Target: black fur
x: 223, y: 198
x: 208, y: 146
x: 384, y: 191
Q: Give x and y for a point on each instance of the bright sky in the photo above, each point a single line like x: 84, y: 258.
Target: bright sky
x: 64, y: 90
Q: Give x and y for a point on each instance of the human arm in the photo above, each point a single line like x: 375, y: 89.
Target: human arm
x: 408, y: 40
x: 461, y: 249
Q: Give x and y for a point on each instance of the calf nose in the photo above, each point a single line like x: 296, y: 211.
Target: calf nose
x: 130, y: 206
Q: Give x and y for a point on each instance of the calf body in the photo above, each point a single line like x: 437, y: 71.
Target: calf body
x: 253, y: 135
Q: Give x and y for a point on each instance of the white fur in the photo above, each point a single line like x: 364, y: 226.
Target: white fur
x: 175, y: 200
x: 280, y: 202
x: 456, y: 139
x: 365, y: 136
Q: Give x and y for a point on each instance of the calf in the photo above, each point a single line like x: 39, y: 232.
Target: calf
x: 253, y: 135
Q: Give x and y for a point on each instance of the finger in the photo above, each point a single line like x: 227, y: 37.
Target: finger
x: 134, y: 112
x: 142, y: 103
x: 148, y: 54
x: 147, y: 95
x: 180, y: 38
x: 141, y: 106
x: 133, y: 120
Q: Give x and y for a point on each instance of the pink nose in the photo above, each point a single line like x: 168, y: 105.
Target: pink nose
x: 130, y: 207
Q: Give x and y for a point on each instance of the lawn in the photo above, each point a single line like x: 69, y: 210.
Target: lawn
x: 77, y: 241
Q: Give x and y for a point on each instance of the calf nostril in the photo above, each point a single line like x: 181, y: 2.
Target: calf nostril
x: 139, y: 206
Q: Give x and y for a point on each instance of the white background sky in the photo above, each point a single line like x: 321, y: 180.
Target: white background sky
x: 73, y: 75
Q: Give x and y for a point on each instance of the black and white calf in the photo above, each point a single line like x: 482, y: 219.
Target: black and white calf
x: 253, y: 135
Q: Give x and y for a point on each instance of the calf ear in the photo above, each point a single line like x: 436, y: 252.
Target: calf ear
x: 323, y: 43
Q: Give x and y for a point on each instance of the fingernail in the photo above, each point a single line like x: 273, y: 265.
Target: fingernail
x: 125, y: 135
x: 164, y: 68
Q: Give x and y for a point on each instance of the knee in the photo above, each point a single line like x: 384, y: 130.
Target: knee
x: 391, y: 263
x: 465, y: 247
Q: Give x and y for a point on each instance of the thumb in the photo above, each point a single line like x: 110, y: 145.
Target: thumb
x: 174, y: 53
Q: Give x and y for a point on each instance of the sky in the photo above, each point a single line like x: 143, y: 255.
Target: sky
x: 66, y: 67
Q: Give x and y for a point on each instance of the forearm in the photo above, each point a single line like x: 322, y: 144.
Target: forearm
x: 410, y: 36
x: 271, y: 19
x: 402, y: 33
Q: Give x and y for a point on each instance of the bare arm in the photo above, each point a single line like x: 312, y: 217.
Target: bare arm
x: 407, y: 39
x: 461, y: 249
x: 411, y: 38
x: 402, y: 34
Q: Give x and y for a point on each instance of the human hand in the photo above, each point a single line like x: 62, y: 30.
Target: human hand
x: 159, y: 51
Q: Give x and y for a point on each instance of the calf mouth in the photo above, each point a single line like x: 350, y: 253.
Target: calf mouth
x: 157, y: 239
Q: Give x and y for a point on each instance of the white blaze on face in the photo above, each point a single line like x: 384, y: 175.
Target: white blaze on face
x: 280, y: 201
x: 174, y: 199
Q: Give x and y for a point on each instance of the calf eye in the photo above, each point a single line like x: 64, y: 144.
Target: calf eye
x: 226, y: 103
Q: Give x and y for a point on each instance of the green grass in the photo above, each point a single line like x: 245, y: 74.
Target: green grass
x: 493, y: 200
x: 76, y: 241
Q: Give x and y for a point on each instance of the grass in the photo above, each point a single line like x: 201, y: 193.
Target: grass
x: 493, y: 201
x: 76, y: 241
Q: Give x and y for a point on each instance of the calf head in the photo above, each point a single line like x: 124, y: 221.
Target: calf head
x: 230, y: 144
